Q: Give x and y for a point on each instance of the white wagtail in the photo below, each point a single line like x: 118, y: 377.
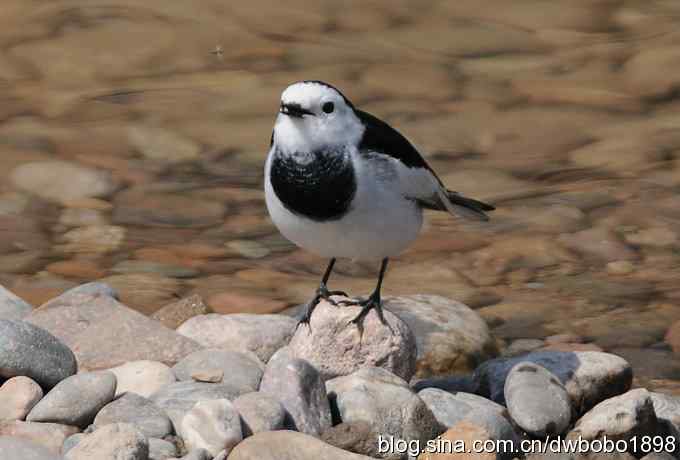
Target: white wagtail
x: 340, y: 182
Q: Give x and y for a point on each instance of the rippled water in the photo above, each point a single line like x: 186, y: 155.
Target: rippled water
x: 133, y: 135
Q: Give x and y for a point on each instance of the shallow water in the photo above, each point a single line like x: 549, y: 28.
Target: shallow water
x: 565, y: 115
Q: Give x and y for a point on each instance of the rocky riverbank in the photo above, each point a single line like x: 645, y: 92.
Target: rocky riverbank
x: 86, y: 377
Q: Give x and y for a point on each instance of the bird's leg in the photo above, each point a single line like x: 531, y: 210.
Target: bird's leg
x: 322, y: 292
x: 373, y: 301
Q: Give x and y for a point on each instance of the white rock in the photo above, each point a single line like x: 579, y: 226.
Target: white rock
x: 212, y: 425
x: 12, y: 306
x: 142, y: 377
x: 18, y: 395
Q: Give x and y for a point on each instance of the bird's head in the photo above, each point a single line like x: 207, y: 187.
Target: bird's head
x: 313, y: 115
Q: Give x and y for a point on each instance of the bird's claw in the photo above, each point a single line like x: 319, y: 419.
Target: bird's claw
x: 373, y: 302
x: 322, y: 293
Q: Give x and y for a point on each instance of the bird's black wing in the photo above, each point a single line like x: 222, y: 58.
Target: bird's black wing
x: 379, y: 137
x: 382, y: 138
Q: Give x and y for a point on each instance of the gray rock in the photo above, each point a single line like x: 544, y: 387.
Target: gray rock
x: 537, y: 401
x: 588, y: 376
x: 179, y: 398
x: 142, y: 377
x: 11, y: 306
x: 301, y: 391
x: 23, y: 449
x: 138, y: 411
x: 259, y: 412
x: 212, y: 425
x: 451, y: 408
x: 89, y: 322
x: 666, y: 407
x: 119, y: 441
x: 198, y: 454
x: 18, y: 396
x: 451, y: 337
x: 176, y: 313
x: 261, y: 334
x: 269, y: 445
x: 50, y: 436
x: 33, y: 352
x: 76, y: 400
x: 658, y: 456
x: 385, y: 401
x: 71, y: 442
x: 93, y: 288
x: 241, y: 369
x: 621, y: 417
x: 357, y: 437
x: 522, y: 346
x: 160, y: 449
x: 335, y: 346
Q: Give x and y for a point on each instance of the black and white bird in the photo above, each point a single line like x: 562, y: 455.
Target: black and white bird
x: 342, y: 183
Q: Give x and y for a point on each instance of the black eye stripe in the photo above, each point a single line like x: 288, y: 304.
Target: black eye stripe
x: 328, y: 107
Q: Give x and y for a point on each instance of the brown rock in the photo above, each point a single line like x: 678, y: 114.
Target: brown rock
x: 175, y: 313
x: 598, y: 243
x: 673, y: 337
x: 90, y: 323
x: 357, y: 437
x: 462, y: 432
x: 49, y: 435
x: 81, y: 269
x: 229, y: 302
x: 145, y: 292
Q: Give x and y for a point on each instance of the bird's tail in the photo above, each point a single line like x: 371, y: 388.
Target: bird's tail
x: 459, y: 205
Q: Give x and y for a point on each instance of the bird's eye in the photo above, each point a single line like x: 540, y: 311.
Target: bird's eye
x: 328, y: 107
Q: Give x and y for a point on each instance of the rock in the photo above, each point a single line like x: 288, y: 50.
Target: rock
x: 176, y: 399
x: 450, y: 337
x: 588, y: 376
x: 16, y: 448
x: 71, y: 442
x: 469, y: 433
x: 335, y: 346
x: 269, y: 445
x: 451, y: 384
x: 662, y: 82
x: 666, y: 407
x: 621, y: 417
x: 598, y: 243
x: 259, y: 412
x: 119, y: 441
x: 673, y: 337
x: 198, y: 454
x: 62, y: 181
x: 93, y: 239
x: 522, y: 346
x: 146, y: 266
x: 142, y: 377
x: 28, y: 350
x: 51, y: 436
x: 537, y: 401
x: 157, y: 143
x: 208, y: 375
x: 301, y: 391
x: 160, y: 449
x: 18, y: 395
x: 385, y: 401
x: 212, y: 425
x: 239, y: 368
x: 357, y: 437
x: 261, y: 334
x: 90, y: 323
x: 145, y: 292
x: 76, y: 400
x: 620, y: 267
x: 136, y: 410
x: 176, y: 313
x: 12, y: 306
x: 452, y: 408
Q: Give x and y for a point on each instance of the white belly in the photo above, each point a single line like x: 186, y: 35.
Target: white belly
x: 380, y: 223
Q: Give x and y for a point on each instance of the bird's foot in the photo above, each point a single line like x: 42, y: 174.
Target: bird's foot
x: 373, y: 302
x: 322, y: 293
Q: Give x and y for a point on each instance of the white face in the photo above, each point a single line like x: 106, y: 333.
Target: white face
x: 313, y: 116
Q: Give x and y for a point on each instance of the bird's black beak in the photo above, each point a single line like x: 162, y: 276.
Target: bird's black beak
x: 294, y: 110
